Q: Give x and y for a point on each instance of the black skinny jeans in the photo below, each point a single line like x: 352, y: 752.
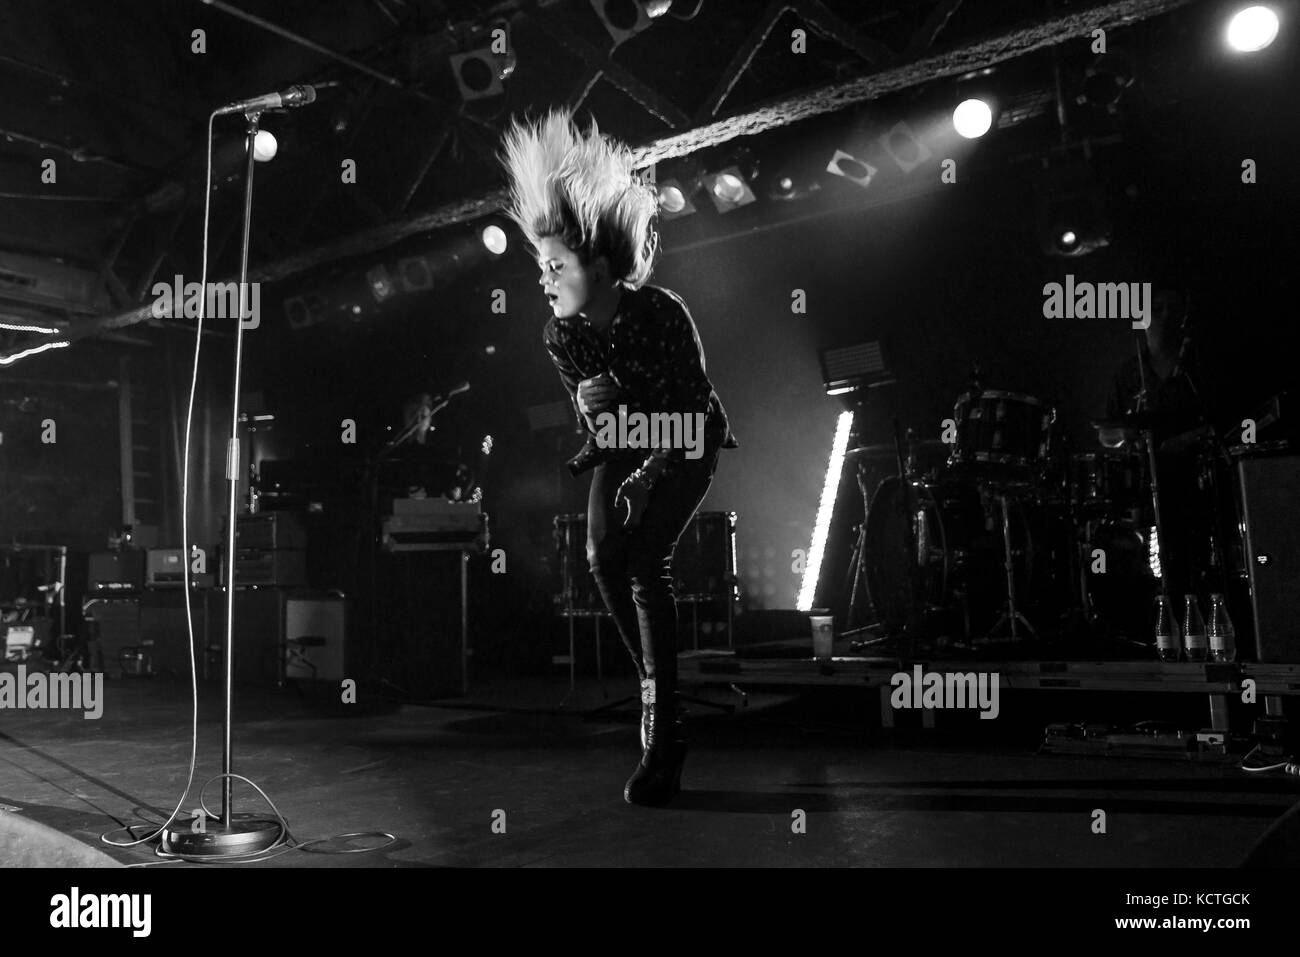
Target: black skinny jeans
x: 633, y: 566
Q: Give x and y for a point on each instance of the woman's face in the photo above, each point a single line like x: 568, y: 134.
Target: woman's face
x: 568, y: 284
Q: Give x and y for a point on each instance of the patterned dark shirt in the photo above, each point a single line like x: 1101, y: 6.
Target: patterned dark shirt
x: 1173, y: 404
x: 653, y: 351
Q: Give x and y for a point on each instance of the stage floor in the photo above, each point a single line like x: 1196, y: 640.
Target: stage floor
x: 435, y: 775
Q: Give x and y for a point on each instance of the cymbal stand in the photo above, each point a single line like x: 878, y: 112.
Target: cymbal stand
x: 914, y: 616
x: 857, y: 564
x: 1011, y: 615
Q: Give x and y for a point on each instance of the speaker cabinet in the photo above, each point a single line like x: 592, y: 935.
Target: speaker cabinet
x: 1270, y: 498
x: 121, y: 571
x: 164, y: 637
x: 259, y: 635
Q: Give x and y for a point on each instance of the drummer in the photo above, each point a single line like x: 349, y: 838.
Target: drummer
x: 1161, y: 366
x: 1158, y: 388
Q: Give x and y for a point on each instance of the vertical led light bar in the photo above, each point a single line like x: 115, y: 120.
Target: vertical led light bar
x: 812, y: 570
x: 1153, y: 552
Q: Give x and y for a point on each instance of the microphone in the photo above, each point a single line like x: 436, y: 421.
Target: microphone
x: 294, y: 96
x: 458, y: 389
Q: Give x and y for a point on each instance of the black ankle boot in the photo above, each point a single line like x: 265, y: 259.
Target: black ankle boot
x: 658, y: 778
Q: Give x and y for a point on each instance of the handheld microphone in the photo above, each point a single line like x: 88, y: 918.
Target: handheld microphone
x: 294, y: 96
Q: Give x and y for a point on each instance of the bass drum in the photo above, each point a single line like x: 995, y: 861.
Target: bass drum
x: 959, y: 556
x: 1122, y: 592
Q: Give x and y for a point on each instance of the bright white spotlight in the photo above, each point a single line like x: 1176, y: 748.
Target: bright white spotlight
x: 729, y: 187
x: 672, y: 199
x: 825, y: 509
x: 494, y: 238
x: 1252, y: 29
x: 972, y: 118
x: 1069, y: 237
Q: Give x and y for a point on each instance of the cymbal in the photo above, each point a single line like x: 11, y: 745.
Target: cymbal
x: 872, y: 451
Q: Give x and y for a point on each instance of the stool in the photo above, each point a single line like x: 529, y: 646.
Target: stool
x: 296, y: 648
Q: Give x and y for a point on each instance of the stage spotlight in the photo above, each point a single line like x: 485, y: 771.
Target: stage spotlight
x: 788, y: 188
x: 1072, y: 216
x: 728, y: 189
x: 381, y: 283
x: 1252, y: 29
x: 415, y: 274
x: 1106, y: 79
x: 494, y: 238
x: 480, y: 72
x: 626, y: 18
x: 851, y: 168
x: 1074, y: 230
x: 674, y: 200
x: 972, y: 118
x: 1075, y: 227
x: 905, y: 147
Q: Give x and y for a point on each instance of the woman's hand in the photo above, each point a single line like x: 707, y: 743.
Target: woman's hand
x: 597, y: 394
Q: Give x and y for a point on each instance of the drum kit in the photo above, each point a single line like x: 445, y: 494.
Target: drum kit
x: 1000, y: 536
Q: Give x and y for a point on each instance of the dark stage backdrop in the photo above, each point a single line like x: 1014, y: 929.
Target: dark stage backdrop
x: 945, y: 280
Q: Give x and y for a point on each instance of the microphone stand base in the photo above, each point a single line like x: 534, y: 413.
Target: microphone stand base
x: 246, y: 836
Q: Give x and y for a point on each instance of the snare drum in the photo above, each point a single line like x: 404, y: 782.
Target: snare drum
x: 1001, y: 431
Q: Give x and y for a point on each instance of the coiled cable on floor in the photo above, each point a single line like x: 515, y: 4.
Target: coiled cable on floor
x: 1288, y: 766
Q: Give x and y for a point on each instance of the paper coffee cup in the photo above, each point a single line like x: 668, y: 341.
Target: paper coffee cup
x: 823, y: 635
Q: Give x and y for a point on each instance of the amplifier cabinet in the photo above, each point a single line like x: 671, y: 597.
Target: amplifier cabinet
x: 269, y: 530
x: 259, y: 635
x: 165, y: 567
x: 278, y: 567
x: 1270, y: 497
x: 116, y: 571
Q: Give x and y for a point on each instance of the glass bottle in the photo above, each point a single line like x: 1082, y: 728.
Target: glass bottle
x: 1169, y: 645
x: 1222, y: 636
x: 1194, y: 638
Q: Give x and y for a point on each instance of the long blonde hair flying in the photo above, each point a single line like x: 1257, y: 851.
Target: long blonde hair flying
x: 582, y: 189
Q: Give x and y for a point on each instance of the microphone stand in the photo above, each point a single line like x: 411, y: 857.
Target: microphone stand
x: 249, y: 835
